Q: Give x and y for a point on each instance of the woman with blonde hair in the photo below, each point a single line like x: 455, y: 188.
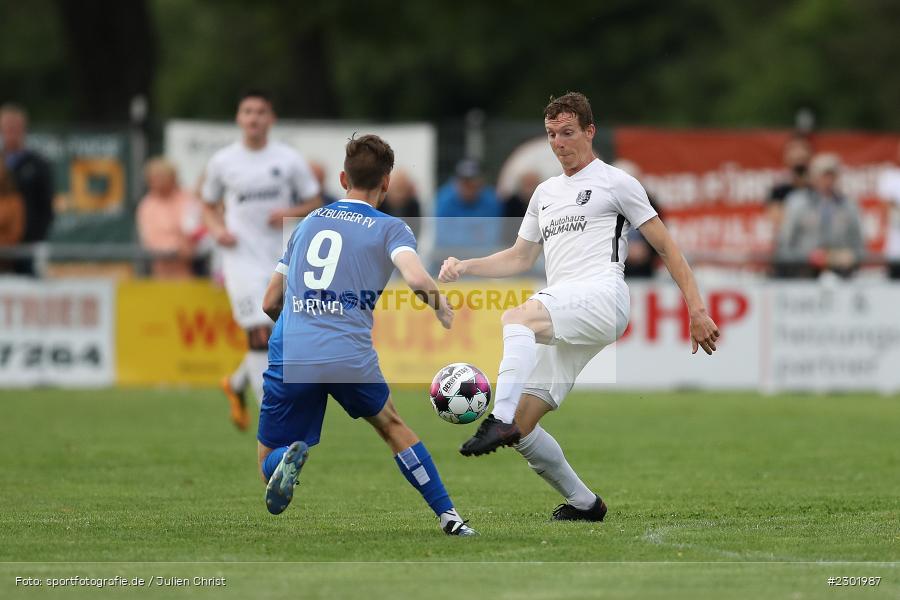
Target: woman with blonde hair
x: 168, y: 221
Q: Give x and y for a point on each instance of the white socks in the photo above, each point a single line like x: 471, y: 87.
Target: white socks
x: 257, y: 362
x: 450, y: 515
x: 546, y: 458
x: 238, y: 380
x: 519, y: 355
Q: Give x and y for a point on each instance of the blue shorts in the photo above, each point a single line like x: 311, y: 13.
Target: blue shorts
x: 295, y: 411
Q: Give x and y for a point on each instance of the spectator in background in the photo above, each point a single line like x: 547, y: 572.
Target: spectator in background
x: 318, y: 171
x: 168, y: 222
x: 821, y: 228
x: 467, y: 196
x: 12, y: 216
x: 32, y: 177
x: 889, y: 191
x: 402, y: 201
x: 642, y: 258
x: 515, y: 205
x: 796, y: 155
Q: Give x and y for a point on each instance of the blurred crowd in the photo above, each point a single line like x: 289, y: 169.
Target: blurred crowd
x: 26, y: 190
x: 816, y: 228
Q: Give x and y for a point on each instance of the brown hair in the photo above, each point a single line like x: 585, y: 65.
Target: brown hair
x: 574, y: 103
x: 369, y: 158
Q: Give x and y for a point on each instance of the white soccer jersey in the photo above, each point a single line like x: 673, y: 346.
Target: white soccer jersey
x: 253, y: 184
x: 583, y: 221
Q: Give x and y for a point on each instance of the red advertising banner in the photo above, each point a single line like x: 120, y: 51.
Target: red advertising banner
x: 713, y: 184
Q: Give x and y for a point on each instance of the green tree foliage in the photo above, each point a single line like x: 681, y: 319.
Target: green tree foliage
x: 685, y: 62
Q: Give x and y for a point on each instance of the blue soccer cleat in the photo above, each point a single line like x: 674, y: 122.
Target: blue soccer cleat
x: 280, y: 489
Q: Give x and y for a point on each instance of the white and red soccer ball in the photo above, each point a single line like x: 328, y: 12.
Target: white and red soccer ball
x: 460, y: 393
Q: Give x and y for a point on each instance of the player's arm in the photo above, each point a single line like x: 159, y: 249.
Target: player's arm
x: 211, y: 192
x: 512, y: 261
x: 704, y: 331
x: 214, y: 220
x: 273, y: 299
x: 421, y: 283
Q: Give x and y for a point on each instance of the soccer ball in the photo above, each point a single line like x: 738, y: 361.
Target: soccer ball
x: 460, y: 393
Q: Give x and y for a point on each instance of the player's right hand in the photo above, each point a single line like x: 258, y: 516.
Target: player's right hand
x: 451, y: 270
x: 444, y: 312
x: 227, y: 239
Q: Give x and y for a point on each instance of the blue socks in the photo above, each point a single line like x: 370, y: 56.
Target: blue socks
x: 416, y: 465
x: 272, y: 460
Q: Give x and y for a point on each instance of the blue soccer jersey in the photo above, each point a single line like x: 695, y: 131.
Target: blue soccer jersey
x: 336, y: 266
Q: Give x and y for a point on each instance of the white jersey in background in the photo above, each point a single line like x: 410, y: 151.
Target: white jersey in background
x: 252, y: 184
x: 583, y: 221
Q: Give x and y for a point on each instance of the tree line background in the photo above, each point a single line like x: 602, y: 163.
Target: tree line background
x: 681, y: 63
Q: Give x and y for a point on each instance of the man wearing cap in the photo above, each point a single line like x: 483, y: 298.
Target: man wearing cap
x: 467, y: 210
x: 821, y: 229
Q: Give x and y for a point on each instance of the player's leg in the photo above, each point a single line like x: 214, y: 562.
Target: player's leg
x: 590, y: 317
x: 524, y: 327
x: 257, y: 358
x: 246, y: 290
x: 546, y: 458
x: 417, y: 466
x: 371, y: 401
x: 280, y: 469
x: 234, y: 387
x: 290, y: 422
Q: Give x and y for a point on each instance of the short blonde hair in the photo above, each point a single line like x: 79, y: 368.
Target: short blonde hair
x: 160, y: 164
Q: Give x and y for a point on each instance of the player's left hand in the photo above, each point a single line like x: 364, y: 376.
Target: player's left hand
x: 704, y: 333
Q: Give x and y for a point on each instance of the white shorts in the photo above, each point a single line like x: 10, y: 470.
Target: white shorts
x: 586, y: 318
x: 246, y: 291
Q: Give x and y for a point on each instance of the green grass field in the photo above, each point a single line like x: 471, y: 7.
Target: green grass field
x: 710, y: 495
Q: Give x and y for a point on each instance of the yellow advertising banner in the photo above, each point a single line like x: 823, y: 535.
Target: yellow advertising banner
x: 183, y: 332
x: 412, y: 345
x: 175, y: 333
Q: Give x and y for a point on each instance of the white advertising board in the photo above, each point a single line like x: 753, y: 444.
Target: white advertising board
x: 844, y: 336
x: 56, y: 332
x: 810, y: 336
x: 655, y: 351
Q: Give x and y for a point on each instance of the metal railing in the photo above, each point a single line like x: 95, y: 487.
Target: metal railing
x: 43, y: 254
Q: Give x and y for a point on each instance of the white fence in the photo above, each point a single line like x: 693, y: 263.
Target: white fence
x: 813, y: 336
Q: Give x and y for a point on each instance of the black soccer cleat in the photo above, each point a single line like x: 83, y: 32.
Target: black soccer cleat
x: 492, y: 434
x: 567, y: 512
